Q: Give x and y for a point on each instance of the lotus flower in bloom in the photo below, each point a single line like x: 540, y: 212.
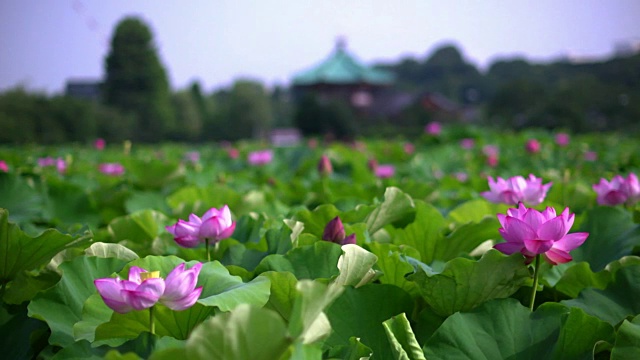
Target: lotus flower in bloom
x: 46, y: 161
x: 516, y: 189
x: 384, y: 171
x: 532, y: 146
x: 619, y: 191
x: 491, y: 152
x: 562, y: 139
x: 111, y: 169
x: 433, y: 128
x: 192, y: 156
x: 590, y: 156
x: 214, y: 225
x: 409, y: 148
x: 59, y: 163
x: 180, y: 290
x: 261, y: 157
x: 334, y: 232
x: 233, y: 153
x: 144, y: 289
x: 99, y: 144
x: 531, y: 232
x: 467, y: 143
x: 3, y: 166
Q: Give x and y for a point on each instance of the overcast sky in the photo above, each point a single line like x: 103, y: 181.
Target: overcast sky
x: 45, y: 42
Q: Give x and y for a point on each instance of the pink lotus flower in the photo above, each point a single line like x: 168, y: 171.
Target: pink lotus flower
x: 144, y: 289
x: 490, y: 150
x: 61, y: 165
x: 384, y: 171
x: 3, y: 166
x: 516, y: 189
x: 532, y: 146
x: 180, y: 292
x: 46, y: 161
x: 233, y: 153
x: 590, y: 156
x: 409, y: 148
x: 372, y: 164
x: 261, y: 157
x: 467, y: 143
x: 111, y: 169
x: 99, y: 144
x: 324, y: 166
x: 133, y: 294
x: 192, y: 156
x: 214, y: 226
x: 492, y: 160
x: 334, y: 232
x: 532, y: 232
x: 433, y: 128
x: 562, y: 139
x: 619, y: 191
x: 461, y: 176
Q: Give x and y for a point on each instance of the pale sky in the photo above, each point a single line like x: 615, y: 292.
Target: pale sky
x: 45, y: 42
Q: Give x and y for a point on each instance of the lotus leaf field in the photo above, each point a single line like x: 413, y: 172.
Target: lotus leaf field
x: 377, y: 249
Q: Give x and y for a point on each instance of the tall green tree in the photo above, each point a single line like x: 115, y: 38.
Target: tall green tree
x: 137, y: 83
x: 249, y: 112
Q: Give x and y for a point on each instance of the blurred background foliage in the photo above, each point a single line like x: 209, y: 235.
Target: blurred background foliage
x: 138, y: 104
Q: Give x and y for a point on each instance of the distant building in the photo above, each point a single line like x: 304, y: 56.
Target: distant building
x: 371, y: 92
x: 342, y: 77
x: 84, y: 89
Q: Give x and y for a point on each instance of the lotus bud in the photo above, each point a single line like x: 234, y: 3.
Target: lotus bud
x: 334, y: 231
x: 324, y: 166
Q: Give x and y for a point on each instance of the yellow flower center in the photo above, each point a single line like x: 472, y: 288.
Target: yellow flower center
x: 149, y: 275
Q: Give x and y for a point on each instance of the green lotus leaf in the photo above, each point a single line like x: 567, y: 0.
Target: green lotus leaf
x: 197, y: 200
x: 247, y: 332
x: 22, y: 198
x: 141, y: 231
x: 394, y: 266
x: 21, y: 252
x: 464, y: 284
x: 360, y: 313
x: 395, y: 207
x: 612, y: 235
x: 177, y: 324
x: 403, y: 341
x: 152, y: 173
x: 627, y: 345
x: 354, y: 351
x: 69, y: 204
x: 308, y: 320
x: 315, y: 261
x: 617, y: 301
x: 283, y: 292
x: 504, y: 329
x: 61, y: 306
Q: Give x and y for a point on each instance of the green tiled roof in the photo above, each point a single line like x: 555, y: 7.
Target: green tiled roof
x: 342, y: 68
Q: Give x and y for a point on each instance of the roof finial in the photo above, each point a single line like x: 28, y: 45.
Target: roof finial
x: 341, y: 43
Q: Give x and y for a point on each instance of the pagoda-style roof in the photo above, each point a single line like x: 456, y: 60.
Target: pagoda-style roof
x: 341, y: 68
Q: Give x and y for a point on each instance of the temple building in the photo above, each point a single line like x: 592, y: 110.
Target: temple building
x: 341, y: 77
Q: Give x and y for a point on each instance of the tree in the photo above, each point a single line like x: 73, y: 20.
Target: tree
x: 249, y: 110
x: 189, y: 112
x: 136, y: 82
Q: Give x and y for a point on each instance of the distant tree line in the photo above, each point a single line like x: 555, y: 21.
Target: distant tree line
x: 137, y: 103
x: 590, y: 96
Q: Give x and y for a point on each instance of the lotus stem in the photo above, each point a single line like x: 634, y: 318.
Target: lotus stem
x: 536, y: 268
x: 152, y: 324
x: 206, y: 244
